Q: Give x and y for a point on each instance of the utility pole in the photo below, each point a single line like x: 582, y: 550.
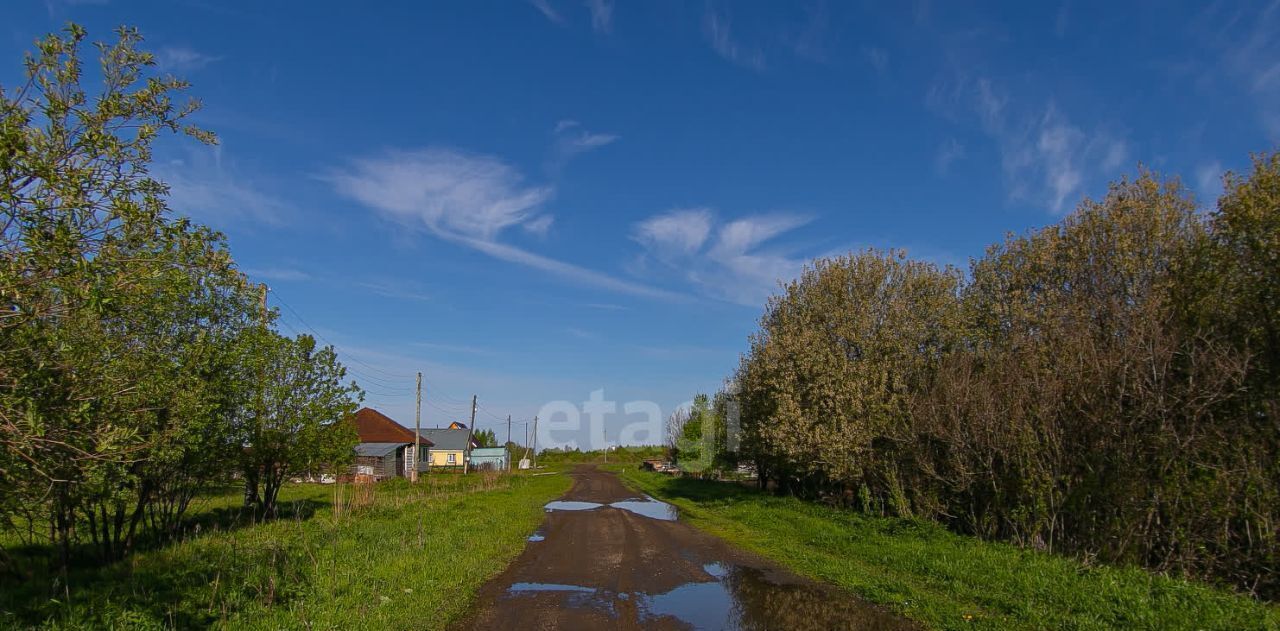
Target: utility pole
x: 506, y: 447
x: 417, y: 432
x: 471, y: 431
x: 535, y: 442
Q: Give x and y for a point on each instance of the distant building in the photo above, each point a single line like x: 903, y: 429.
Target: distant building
x: 386, y: 448
x: 493, y: 458
x: 449, y: 447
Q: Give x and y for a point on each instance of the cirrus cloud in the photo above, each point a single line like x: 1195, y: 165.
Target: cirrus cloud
x: 730, y: 260
x: 468, y: 199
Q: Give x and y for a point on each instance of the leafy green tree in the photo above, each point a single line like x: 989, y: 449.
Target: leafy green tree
x: 486, y: 438
x: 1105, y: 386
x: 696, y: 444
x: 293, y: 421
x: 90, y: 264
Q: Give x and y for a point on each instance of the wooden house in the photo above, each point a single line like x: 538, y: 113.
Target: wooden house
x: 386, y: 448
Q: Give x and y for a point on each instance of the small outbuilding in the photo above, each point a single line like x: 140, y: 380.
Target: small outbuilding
x: 490, y: 458
x: 380, y: 461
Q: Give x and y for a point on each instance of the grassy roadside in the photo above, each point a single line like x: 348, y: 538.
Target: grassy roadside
x: 947, y: 580
x: 412, y: 558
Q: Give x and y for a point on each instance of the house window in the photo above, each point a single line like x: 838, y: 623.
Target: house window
x: 453, y: 458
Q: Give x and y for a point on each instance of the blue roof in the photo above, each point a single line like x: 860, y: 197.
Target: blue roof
x: 488, y: 452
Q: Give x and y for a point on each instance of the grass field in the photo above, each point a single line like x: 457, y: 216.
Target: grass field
x: 409, y: 557
x: 947, y: 580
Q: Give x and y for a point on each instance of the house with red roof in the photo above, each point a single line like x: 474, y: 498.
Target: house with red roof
x: 386, y: 448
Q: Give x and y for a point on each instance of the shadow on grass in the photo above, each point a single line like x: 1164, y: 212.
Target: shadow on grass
x: 189, y: 581
x: 697, y: 490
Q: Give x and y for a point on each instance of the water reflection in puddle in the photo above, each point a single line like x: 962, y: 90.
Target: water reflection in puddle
x: 647, y: 507
x: 732, y: 597
x: 549, y: 587
x: 571, y: 505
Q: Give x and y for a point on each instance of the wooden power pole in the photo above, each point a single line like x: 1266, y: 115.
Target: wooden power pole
x: 471, y: 431
x: 417, y: 432
x: 506, y: 447
x: 535, y: 442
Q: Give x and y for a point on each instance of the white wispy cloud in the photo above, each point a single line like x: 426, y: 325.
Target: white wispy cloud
x: 544, y: 7
x: 1250, y: 53
x: 448, y: 192
x: 573, y: 140
x: 729, y: 260
x: 948, y: 152
x: 1046, y: 158
x: 587, y: 141
x: 810, y: 40
x: 719, y: 35
x: 182, y: 59
x: 539, y: 225
x: 675, y: 233
x: 205, y: 186
x: 1209, y: 182
x: 467, y: 199
x: 601, y: 15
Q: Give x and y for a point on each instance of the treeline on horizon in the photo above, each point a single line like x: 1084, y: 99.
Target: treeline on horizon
x: 1108, y: 386
x: 139, y: 368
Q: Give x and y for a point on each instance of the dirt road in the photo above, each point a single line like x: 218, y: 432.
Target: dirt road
x: 608, y: 558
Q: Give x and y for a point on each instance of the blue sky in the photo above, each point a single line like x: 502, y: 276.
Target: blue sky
x: 532, y: 201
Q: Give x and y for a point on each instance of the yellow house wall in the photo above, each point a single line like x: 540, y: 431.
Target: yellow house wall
x: 440, y: 458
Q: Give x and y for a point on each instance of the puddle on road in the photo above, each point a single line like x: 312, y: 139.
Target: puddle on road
x: 733, y: 597
x: 548, y: 587
x: 647, y: 507
x: 571, y: 505
x: 729, y: 597
x: 537, y: 536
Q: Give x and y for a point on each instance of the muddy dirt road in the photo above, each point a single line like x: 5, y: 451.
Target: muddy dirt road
x: 609, y: 558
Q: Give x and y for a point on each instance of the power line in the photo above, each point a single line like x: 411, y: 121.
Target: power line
x: 297, y: 315
x: 390, y: 380
x: 361, y: 377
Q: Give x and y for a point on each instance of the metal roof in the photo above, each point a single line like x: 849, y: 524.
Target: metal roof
x: 447, y: 439
x: 378, y: 450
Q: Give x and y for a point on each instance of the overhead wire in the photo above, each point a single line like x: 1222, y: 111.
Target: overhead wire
x: 388, y: 373
x: 387, y: 386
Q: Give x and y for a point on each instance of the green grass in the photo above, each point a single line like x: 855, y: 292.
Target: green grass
x: 413, y: 558
x: 947, y: 580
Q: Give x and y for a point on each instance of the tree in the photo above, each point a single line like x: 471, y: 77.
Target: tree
x: 295, y: 421
x: 1106, y: 385
x: 486, y: 438
x: 696, y: 441
x: 91, y: 269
